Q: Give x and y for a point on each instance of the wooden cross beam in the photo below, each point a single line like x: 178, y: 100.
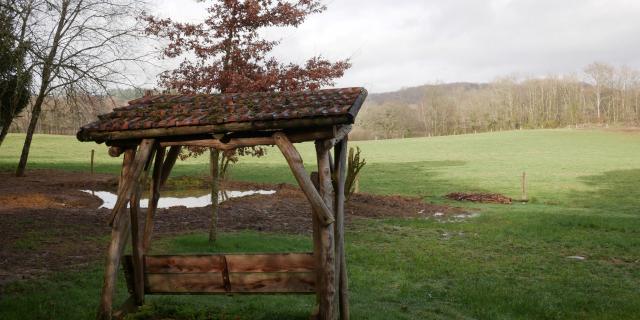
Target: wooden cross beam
x: 131, y: 179
x: 294, y: 160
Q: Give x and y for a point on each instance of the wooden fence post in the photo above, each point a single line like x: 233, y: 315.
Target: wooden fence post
x: 327, y: 254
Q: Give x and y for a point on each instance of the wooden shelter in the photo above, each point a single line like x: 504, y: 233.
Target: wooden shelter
x: 150, y: 132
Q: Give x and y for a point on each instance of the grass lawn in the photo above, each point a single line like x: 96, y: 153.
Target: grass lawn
x: 508, y: 263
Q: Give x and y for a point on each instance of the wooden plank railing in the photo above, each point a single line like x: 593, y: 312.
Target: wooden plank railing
x: 226, y: 273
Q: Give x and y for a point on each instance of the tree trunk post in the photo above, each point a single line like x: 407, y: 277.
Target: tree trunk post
x: 139, y: 164
x: 214, y: 157
x: 340, y: 153
x: 169, y: 162
x: 119, y: 233
x: 153, y: 198
x: 326, y: 235
x: 136, y: 246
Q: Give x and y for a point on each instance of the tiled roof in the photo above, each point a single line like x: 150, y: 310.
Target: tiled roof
x: 166, y: 111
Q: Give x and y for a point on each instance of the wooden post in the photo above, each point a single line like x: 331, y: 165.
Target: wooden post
x: 136, y: 242
x: 340, y: 153
x: 153, y: 198
x: 119, y: 233
x: 214, y: 156
x: 524, y: 186
x: 297, y: 168
x: 326, y: 265
x: 136, y: 248
x: 316, y: 247
x: 93, y: 152
x: 169, y: 162
x: 131, y: 180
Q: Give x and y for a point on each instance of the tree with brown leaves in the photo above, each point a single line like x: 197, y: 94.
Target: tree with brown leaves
x: 226, y: 54
x: 230, y: 55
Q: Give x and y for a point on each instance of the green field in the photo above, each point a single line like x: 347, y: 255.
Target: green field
x: 508, y: 263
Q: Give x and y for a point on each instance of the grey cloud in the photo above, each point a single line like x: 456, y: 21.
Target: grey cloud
x: 401, y: 43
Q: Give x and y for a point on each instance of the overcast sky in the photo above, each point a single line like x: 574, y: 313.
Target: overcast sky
x: 400, y: 43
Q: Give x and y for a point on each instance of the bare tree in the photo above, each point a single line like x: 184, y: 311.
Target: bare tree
x: 79, y: 48
x: 601, y: 74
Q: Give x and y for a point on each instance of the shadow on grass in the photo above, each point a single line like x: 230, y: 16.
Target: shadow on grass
x: 616, y: 191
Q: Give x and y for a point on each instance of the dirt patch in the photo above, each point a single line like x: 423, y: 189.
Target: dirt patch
x: 480, y: 197
x: 51, y: 189
x: 47, y: 224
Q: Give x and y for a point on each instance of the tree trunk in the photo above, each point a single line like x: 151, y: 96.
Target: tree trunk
x: 3, y: 134
x: 215, y: 180
x: 35, y: 114
x: 47, y: 67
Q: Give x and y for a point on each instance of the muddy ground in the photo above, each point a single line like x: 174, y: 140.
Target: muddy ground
x: 47, y: 224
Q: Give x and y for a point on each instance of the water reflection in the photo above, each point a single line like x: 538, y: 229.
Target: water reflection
x: 109, y: 199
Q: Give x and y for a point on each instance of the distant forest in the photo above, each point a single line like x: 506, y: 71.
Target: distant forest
x: 601, y: 95
x: 65, y: 116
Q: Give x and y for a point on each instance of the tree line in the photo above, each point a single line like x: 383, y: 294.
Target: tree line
x: 601, y: 95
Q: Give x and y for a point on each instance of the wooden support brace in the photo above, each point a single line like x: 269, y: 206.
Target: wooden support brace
x: 294, y: 160
x: 169, y: 162
x: 229, y: 143
x: 340, y: 133
x: 153, y: 199
x: 119, y: 235
x: 136, y: 243
x: 131, y: 180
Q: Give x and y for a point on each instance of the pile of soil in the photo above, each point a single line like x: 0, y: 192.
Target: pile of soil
x: 480, y: 197
x: 48, y: 224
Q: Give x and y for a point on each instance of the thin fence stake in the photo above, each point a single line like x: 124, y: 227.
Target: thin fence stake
x: 93, y: 152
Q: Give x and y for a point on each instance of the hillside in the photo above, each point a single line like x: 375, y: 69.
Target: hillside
x: 413, y: 95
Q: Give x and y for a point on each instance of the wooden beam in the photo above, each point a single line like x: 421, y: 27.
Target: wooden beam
x: 340, y: 153
x: 259, y: 262
x: 246, y: 273
x: 169, y: 162
x: 248, y: 283
x: 340, y: 133
x: 153, y: 198
x: 119, y: 233
x: 297, y: 167
x: 317, y: 247
x: 137, y: 242
x: 138, y: 165
x: 100, y: 136
x: 116, y: 151
x: 328, y: 309
x: 233, y: 142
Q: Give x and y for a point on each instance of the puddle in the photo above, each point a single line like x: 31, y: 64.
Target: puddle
x: 109, y: 199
